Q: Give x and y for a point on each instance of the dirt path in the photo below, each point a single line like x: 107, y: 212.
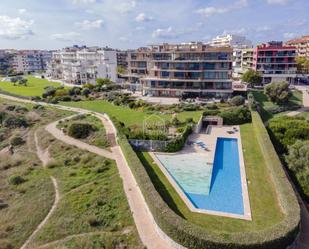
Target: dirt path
x: 143, y: 218
x: 44, y: 157
x: 52, y: 129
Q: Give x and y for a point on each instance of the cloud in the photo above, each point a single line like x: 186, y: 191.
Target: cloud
x: 139, y: 28
x: 210, y: 11
x: 126, y: 6
x: 67, y: 37
x: 240, y: 31
x: 280, y: 2
x: 83, y: 1
x: 22, y: 11
x: 123, y: 39
x: 143, y: 18
x: 15, y: 28
x: 88, y: 25
x: 170, y: 33
x: 289, y: 35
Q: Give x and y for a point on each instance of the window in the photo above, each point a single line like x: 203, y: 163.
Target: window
x: 209, y: 65
x: 180, y: 75
x: 165, y: 74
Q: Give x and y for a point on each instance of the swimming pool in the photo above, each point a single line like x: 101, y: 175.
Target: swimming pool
x: 216, y: 188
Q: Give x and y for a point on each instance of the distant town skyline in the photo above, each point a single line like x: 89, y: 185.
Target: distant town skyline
x: 53, y: 24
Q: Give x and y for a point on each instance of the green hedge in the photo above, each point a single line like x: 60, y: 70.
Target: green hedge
x: 194, y: 237
x: 178, y: 143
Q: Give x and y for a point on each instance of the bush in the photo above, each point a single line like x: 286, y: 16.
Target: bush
x: 80, y: 130
x: 237, y: 100
x: 278, y: 92
x: 287, y: 130
x: 93, y: 221
x: 16, y: 140
x: 15, y: 122
x: 298, y: 162
x: 178, y: 143
x: 16, y: 180
x: 236, y: 116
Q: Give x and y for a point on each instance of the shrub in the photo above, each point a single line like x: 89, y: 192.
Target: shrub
x: 298, y: 162
x: 93, y: 221
x: 236, y: 116
x: 16, y: 140
x: 80, y: 130
x: 278, y: 92
x: 178, y: 143
x: 287, y: 130
x: 237, y: 100
x: 16, y: 180
x: 15, y: 122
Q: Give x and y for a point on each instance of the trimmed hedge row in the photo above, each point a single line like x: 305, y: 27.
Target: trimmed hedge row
x: 194, y: 237
x: 178, y: 143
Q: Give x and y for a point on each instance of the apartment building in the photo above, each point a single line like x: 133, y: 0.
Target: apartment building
x: 6, y: 60
x: 229, y: 40
x: 246, y: 59
x: 302, y: 45
x: 188, y: 69
x: 122, y: 59
x: 81, y: 65
x: 137, y: 67
x: 275, y: 61
x: 25, y: 61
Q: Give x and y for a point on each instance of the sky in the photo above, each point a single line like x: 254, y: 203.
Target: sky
x: 123, y: 24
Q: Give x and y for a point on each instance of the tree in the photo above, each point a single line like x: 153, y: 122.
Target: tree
x: 14, y: 80
x: 298, y: 162
x: 121, y: 70
x: 86, y: 92
x: 278, y: 92
x: 104, y: 82
x: 23, y: 81
x: 302, y: 64
x: 80, y: 130
x: 252, y: 77
x: 237, y: 100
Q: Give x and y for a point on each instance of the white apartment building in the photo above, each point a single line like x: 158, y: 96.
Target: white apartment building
x: 234, y: 41
x: 25, y: 61
x: 81, y: 65
x: 238, y: 43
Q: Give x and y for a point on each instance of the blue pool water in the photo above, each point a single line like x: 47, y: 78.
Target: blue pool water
x: 224, y: 193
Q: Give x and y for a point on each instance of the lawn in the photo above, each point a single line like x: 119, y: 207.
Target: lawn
x: 267, y: 105
x: 35, y: 87
x: 127, y: 115
x: 265, y: 209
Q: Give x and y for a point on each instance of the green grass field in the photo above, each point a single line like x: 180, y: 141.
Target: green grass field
x: 267, y: 105
x: 125, y: 114
x: 265, y: 209
x: 34, y: 88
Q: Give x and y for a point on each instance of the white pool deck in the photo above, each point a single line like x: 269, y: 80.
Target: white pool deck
x: 210, y: 141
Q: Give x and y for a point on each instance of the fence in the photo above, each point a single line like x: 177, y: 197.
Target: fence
x: 148, y: 145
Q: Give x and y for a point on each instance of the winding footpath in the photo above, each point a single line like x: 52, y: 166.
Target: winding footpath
x: 44, y: 157
x: 151, y: 235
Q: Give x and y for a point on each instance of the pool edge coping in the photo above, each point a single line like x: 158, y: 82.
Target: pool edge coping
x: 245, y: 192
